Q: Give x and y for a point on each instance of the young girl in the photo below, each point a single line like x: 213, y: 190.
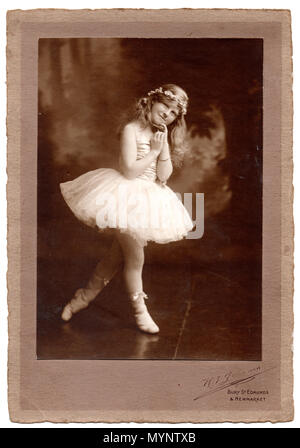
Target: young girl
x: 135, y: 201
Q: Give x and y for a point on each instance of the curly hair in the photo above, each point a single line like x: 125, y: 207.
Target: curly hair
x: 176, y: 130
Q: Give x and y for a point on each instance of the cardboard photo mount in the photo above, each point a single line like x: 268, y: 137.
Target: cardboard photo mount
x: 123, y: 391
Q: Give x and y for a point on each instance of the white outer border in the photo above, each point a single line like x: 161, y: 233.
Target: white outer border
x: 30, y: 4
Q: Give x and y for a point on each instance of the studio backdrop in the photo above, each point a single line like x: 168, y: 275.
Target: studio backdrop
x: 206, y: 290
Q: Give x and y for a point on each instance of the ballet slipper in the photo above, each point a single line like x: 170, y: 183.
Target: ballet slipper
x: 81, y: 300
x: 142, y: 317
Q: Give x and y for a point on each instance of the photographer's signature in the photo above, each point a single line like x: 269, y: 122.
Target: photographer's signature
x: 214, y: 384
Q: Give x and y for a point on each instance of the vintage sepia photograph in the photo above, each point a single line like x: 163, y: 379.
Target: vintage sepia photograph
x: 150, y: 179
x: 166, y: 135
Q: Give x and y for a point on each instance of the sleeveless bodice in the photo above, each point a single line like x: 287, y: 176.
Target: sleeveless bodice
x: 143, y: 148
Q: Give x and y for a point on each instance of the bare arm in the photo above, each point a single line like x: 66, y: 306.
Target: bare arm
x: 131, y: 168
x: 164, y: 163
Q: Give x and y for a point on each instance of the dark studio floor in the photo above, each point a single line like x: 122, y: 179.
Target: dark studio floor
x: 208, y: 312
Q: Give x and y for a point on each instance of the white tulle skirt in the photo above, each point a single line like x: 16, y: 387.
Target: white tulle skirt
x: 147, y: 210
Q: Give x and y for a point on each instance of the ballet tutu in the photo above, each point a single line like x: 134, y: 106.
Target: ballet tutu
x: 145, y: 209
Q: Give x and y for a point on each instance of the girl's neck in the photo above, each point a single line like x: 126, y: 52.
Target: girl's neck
x: 148, y: 127
x: 152, y: 128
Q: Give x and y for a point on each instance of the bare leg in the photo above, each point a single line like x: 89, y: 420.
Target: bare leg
x: 102, y: 274
x: 104, y: 271
x: 133, y: 253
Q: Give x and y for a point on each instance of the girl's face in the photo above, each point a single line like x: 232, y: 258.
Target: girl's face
x: 164, y: 112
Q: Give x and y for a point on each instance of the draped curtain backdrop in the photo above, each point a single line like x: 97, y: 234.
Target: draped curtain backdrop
x: 86, y: 86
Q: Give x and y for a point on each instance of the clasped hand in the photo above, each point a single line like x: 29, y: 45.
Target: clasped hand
x: 159, y: 140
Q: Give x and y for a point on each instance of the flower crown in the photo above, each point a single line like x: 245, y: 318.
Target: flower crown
x: 171, y: 96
